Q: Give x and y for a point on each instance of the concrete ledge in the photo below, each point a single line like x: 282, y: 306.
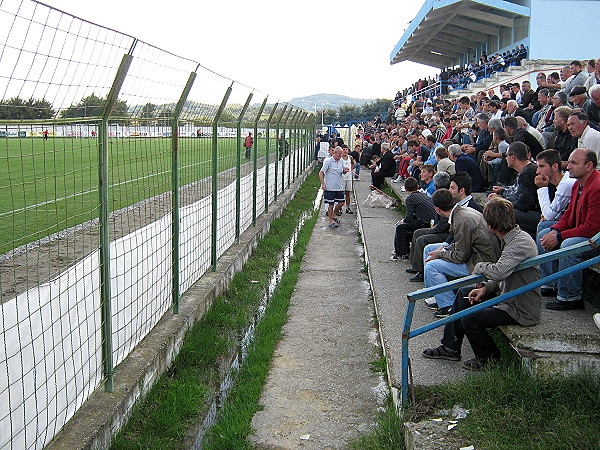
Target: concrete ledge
x: 565, y: 342
x: 104, y: 414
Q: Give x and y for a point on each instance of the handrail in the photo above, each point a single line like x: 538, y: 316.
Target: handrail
x: 592, y: 243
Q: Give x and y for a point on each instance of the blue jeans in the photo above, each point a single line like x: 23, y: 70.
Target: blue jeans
x: 356, y: 170
x: 569, y: 287
x: 437, y: 272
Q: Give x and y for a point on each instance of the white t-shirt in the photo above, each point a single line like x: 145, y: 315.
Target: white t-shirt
x: 332, y: 171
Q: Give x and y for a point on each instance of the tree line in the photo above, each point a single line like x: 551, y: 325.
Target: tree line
x: 348, y: 114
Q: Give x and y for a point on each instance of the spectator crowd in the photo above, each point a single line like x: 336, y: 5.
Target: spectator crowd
x: 532, y: 154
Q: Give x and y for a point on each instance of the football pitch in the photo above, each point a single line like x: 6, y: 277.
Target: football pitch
x: 48, y: 186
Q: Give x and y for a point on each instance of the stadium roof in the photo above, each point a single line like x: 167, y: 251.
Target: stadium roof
x: 443, y: 30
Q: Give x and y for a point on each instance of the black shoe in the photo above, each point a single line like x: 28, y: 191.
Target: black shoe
x: 418, y: 277
x: 476, y: 364
x: 403, y: 256
x: 441, y: 352
x: 565, y: 306
x: 349, y: 211
x: 340, y: 212
x: 443, y: 312
x: 548, y: 292
x: 411, y: 271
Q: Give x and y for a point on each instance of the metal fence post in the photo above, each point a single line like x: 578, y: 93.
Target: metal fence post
x: 277, y: 145
x: 238, y: 169
x: 301, y: 147
x: 255, y: 160
x: 175, y: 192
x: 215, y: 184
x: 292, y: 127
x: 104, y: 214
x: 267, y: 131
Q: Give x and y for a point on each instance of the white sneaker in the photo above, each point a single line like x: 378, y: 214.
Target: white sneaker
x: 597, y: 319
x: 430, y: 301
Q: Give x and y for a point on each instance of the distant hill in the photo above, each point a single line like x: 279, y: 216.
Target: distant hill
x: 332, y: 101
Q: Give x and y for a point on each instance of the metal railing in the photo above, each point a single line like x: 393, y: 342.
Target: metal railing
x: 407, y: 333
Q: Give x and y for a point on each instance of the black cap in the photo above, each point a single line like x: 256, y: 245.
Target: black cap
x: 578, y: 90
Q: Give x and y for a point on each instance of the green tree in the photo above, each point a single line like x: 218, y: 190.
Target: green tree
x: 33, y: 109
x: 148, y: 111
x: 93, y: 106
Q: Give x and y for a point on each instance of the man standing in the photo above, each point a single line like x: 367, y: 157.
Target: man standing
x: 248, y: 143
x: 580, y: 222
x: 331, y: 183
x: 586, y: 136
x: 472, y: 243
x: 524, y: 309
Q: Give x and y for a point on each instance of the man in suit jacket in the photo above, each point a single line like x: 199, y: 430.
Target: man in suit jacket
x: 579, y: 222
x: 473, y: 243
x: 385, y: 167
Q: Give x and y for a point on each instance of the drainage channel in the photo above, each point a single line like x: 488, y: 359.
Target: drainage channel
x: 248, y: 337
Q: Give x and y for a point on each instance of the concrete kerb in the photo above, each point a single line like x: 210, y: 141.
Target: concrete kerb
x: 104, y: 414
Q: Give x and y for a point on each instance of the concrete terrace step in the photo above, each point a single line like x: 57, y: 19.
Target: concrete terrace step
x: 565, y: 342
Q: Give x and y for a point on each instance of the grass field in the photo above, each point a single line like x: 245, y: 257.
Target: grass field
x: 48, y: 186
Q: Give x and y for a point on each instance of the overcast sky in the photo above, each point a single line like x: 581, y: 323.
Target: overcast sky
x: 285, y: 49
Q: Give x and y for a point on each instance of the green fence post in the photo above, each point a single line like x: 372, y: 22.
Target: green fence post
x: 255, y: 160
x: 267, y: 132
x: 175, y: 191
x: 215, y: 184
x: 301, y: 149
x: 288, y: 125
x: 292, y: 128
x: 277, y: 145
x: 104, y: 224
x: 282, y: 145
x: 238, y: 168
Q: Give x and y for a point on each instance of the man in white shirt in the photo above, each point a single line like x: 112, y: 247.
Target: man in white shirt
x: 586, y: 136
x: 554, y: 187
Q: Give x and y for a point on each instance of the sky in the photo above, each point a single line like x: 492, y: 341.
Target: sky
x: 284, y: 49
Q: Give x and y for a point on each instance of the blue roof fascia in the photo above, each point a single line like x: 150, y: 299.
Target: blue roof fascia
x: 430, y: 5
x: 503, y: 5
x: 427, y: 6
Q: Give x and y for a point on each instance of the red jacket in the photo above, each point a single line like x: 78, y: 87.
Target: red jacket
x: 249, y: 141
x: 584, y: 219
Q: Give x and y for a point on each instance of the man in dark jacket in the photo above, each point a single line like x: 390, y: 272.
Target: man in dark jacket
x: 385, y: 166
x: 464, y: 163
x: 517, y: 134
x: 419, y: 214
x: 522, y: 194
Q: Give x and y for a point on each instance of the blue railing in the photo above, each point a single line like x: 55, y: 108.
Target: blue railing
x: 581, y: 247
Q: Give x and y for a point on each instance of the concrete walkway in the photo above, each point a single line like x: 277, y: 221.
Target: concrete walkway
x: 320, y: 392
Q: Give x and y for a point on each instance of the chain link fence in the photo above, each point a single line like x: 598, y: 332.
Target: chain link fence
x: 124, y: 176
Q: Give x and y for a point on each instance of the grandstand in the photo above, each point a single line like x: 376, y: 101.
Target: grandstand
x: 454, y: 35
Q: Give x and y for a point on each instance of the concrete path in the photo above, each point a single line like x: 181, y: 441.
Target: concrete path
x: 320, y: 392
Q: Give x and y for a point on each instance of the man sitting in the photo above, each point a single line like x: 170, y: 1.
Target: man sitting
x: 384, y: 167
x: 427, y: 173
x: 580, y: 222
x: 464, y: 163
x: 472, y: 243
x: 554, y: 188
x: 522, y: 194
x: 522, y: 310
x: 419, y: 214
x: 460, y: 188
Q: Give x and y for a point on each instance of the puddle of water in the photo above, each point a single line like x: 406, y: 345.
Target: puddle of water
x: 248, y: 337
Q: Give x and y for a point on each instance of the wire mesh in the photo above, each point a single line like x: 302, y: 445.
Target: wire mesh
x: 177, y: 166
